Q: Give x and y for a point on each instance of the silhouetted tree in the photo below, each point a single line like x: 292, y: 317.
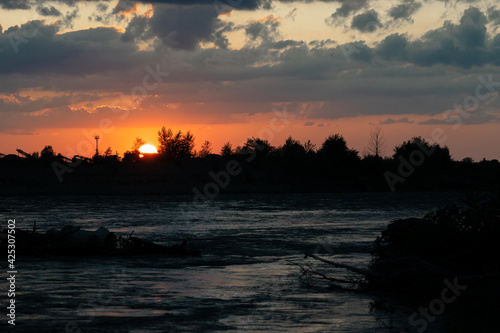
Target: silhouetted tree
x: 206, y: 149
x: 175, y: 145
x: 423, y: 155
x: 227, y: 149
x: 130, y: 156
x: 309, y: 147
x: 467, y: 160
x: 292, y: 149
x: 376, y: 145
x: 47, y: 154
x: 108, y: 152
x: 334, y: 150
x: 138, y: 143
x: 261, y: 147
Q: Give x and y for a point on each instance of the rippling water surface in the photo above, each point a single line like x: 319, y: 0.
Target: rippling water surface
x: 245, y: 280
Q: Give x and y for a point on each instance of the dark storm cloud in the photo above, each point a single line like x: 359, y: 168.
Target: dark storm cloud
x: 462, y: 44
x: 393, y: 47
x: 398, y: 76
x: 465, y: 44
x: 137, y: 29
x: 75, y: 53
x: 103, y: 49
x: 179, y: 27
x: 362, y: 52
x: 182, y: 27
x: 366, y: 22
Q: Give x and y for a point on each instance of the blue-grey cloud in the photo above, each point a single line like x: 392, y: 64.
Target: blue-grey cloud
x: 405, y: 10
x: 462, y: 44
x: 393, y: 47
x: 220, y: 5
x: 399, y: 76
x: 48, y: 11
x: 465, y: 44
x: 389, y: 121
x: 477, y: 119
x: 366, y: 22
x: 124, y: 6
x: 349, y: 7
x: 494, y: 15
x: 15, y: 4
x: 184, y: 27
x: 44, y: 50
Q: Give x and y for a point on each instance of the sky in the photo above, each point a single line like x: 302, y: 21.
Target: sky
x: 231, y: 69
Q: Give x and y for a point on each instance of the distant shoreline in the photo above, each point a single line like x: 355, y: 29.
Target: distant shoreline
x: 208, y: 177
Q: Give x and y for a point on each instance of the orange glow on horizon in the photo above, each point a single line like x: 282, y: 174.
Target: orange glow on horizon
x: 356, y: 131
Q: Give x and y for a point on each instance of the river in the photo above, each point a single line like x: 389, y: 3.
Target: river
x: 246, y: 280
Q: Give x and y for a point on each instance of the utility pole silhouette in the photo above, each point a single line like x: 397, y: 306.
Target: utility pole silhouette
x: 96, y: 145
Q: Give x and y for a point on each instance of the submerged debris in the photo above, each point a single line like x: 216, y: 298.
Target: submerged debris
x: 73, y: 241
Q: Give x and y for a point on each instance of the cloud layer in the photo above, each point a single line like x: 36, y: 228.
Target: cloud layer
x: 52, y: 76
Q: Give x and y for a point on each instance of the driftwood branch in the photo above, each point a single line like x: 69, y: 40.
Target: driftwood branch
x: 311, y: 272
x: 339, y: 265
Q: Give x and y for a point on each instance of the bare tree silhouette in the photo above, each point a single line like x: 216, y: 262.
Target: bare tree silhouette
x: 309, y: 147
x: 376, y: 145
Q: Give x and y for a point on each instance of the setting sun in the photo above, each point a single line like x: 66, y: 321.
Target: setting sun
x: 148, y: 149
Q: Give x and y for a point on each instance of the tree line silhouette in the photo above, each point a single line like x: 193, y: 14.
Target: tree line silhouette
x: 414, y: 164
